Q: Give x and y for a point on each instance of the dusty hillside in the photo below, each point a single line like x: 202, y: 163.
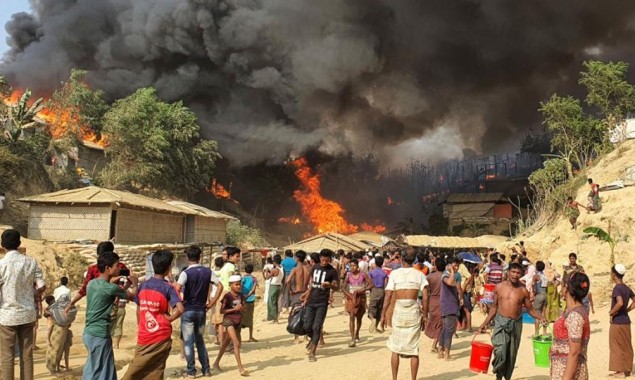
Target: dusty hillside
x: 556, y: 241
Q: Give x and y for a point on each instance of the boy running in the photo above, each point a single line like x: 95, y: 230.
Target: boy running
x: 233, y: 305
x: 156, y: 297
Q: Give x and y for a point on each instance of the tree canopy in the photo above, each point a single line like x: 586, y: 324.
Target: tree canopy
x: 156, y: 147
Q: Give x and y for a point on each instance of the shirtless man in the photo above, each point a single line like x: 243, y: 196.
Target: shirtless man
x: 509, y: 298
x: 297, y: 282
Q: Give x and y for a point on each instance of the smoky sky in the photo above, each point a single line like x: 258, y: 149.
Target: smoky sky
x: 274, y: 78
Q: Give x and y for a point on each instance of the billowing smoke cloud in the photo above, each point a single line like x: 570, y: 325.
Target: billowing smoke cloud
x: 269, y: 78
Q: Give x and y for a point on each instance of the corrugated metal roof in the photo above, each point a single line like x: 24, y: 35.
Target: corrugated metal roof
x: 200, y: 210
x: 474, y: 197
x: 98, y: 195
x: 331, y: 241
x: 469, y: 210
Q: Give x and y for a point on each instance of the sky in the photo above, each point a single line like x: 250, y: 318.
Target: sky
x: 7, y: 8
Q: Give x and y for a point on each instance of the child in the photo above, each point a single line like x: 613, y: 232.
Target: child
x: 217, y: 317
x: 101, y: 294
x: 233, y: 305
x: 59, y: 336
x: 249, y: 285
x: 154, y: 339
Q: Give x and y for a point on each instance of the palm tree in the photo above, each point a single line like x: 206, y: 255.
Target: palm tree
x: 604, y: 236
x: 21, y: 116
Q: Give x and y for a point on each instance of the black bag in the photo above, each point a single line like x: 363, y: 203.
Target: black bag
x: 296, y: 321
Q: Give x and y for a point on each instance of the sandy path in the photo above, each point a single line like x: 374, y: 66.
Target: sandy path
x: 275, y: 357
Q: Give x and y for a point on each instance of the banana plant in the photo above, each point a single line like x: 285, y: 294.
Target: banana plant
x: 21, y: 116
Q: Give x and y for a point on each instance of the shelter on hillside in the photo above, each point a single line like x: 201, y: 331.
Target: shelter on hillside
x: 331, y: 241
x: 95, y: 213
x: 491, y: 210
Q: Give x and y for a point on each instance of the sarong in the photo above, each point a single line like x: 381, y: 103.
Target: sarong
x: 296, y: 299
x: 376, y: 303
x: 435, y: 323
x: 506, y: 340
x: 553, y: 303
x: 55, y: 349
x: 148, y: 362
x: 272, y: 304
x: 390, y: 310
x: 284, y: 295
x: 248, y: 315
x: 620, y: 348
x: 406, y: 328
x: 357, y: 305
x: 100, y: 360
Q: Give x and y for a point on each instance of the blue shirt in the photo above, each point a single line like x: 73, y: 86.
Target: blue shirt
x: 288, y: 264
x: 378, y: 276
x: 248, y: 282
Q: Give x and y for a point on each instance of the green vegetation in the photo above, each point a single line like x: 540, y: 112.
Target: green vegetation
x: 238, y: 234
x: 156, y: 147
x: 604, y: 236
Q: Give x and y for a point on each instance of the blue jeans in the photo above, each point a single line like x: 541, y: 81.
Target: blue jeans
x: 193, y: 327
x: 100, y: 363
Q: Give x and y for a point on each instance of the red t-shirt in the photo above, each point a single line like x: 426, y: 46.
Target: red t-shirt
x: 92, y: 273
x: 155, y: 297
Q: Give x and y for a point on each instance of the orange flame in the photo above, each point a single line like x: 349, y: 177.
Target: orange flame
x: 292, y: 220
x: 324, y: 214
x: 60, y: 121
x: 219, y: 191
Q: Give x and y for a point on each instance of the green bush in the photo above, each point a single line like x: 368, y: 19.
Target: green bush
x: 239, y: 234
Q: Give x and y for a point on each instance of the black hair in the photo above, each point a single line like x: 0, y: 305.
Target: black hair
x: 161, y: 261
x: 49, y: 300
x: 288, y: 253
x: 408, y: 256
x: 456, y: 260
x: 502, y: 257
x: 277, y: 259
x: 540, y: 266
x: 521, y: 243
x: 421, y: 257
x: 232, y: 251
x: 379, y: 261
x: 440, y: 264
x: 269, y: 260
x: 219, y: 262
x: 590, y: 180
x: 498, y: 261
x: 572, y: 254
x: 578, y: 286
x: 105, y: 246
x: 11, y: 239
x: 514, y: 257
x: 106, y: 259
x: 300, y: 255
x: 315, y: 257
x: 193, y: 253
x: 354, y: 261
x: 618, y: 275
x: 516, y: 266
x: 569, y: 198
x: 326, y: 253
x: 64, y: 280
x: 249, y: 268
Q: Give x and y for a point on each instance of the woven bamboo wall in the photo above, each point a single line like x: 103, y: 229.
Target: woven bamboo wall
x: 210, y: 230
x: 61, y: 223
x: 141, y: 227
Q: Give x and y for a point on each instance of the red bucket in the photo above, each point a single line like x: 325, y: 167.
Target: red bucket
x: 481, y: 356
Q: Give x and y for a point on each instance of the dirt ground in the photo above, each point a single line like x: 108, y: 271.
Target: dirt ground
x: 276, y: 357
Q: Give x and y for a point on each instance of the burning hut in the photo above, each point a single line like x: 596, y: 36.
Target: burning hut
x: 94, y: 213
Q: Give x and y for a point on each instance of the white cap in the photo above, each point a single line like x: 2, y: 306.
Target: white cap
x: 525, y: 262
x: 235, y: 278
x: 620, y: 268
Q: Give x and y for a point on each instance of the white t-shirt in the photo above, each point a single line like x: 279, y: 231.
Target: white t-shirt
x: 406, y: 278
x: 363, y: 266
x: 61, y: 291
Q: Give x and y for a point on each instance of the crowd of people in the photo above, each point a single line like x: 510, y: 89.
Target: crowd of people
x: 409, y: 291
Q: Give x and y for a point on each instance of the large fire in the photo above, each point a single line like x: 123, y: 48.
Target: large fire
x: 324, y: 214
x: 60, y: 121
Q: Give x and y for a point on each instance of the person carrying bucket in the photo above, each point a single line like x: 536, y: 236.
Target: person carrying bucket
x: 509, y: 298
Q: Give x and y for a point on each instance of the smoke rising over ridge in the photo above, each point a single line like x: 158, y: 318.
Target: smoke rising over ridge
x: 269, y: 78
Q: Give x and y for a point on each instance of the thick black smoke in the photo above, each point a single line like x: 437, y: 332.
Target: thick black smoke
x: 270, y: 78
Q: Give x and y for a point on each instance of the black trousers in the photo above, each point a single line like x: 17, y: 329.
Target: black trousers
x: 314, y: 320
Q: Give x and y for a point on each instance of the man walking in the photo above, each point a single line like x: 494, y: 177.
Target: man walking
x: 195, y: 283
x: 19, y: 274
x: 324, y: 278
x: 509, y: 298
